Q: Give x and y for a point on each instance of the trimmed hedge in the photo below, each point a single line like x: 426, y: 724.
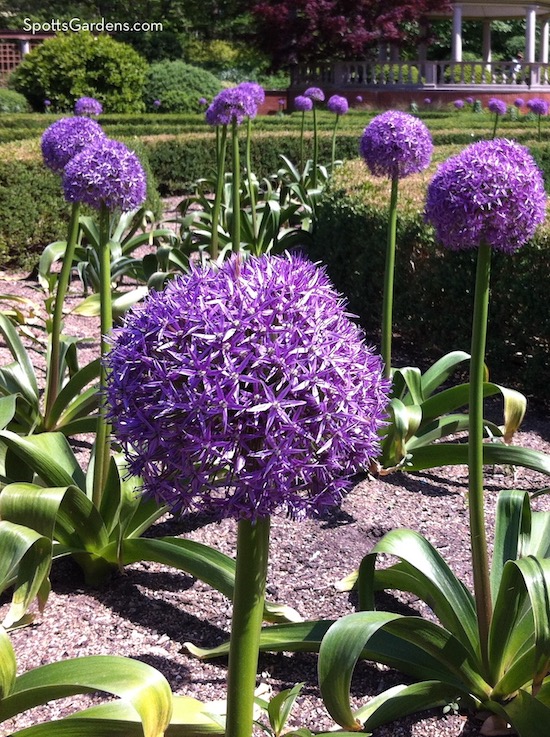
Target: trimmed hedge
x: 34, y: 212
x: 434, y: 287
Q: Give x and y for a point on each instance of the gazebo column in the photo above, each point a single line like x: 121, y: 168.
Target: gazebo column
x: 544, y: 33
x: 530, y: 29
x: 456, y: 43
x: 486, y: 49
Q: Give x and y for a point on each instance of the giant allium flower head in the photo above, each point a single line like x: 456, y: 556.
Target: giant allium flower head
x: 67, y: 137
x: 396, y: 144
x: 337, y: 105
x: 106, y: 173
x: 231, y: 104
x: 538, y: 106
x: 245, y: 389
x: 255, y: 91
x: 315, y: 93
x: 496, y: 106
x: 303, y: 104
x: 88, y: 106
x: 491, y: 193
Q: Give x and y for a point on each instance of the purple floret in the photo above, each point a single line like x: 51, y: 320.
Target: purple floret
x: 496, y: 106
x: 67, y: 137
x: 303, y: 104
x: 244, y: 390
x: 492, y: 193
x: 315, y: 93
x: 254, y: 90
x: 106, y: 174
x: 337, y: 105
x: 396, y: 144
x: 538, y: 106
x: 88, y: 106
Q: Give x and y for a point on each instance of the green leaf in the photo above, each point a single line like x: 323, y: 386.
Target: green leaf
x: 452, y: 454
x: 440, y: 371
x: 528, y: 715
x: 52, y: 253
x: 410, y: 379
x: 7, y: 409
x: 8, y: 665
x: 144, y: 688
x: 71, y: 402
x: 280, y: 706
x: 28, y: 383
x: 25, y: 559
x: 49, y: 455
x: 512, y: 532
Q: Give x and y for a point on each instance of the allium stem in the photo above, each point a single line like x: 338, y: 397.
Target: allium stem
x: 236, y: 229
x: 103, y: 439
x: 221, y: 146
x: 302, y: 141
x: 333, y: 153
x: 495, y: 126
x: 478, y: 540
x: 315, y: 148
x: 52, y: 388
x: 248, y: 605
x: 251, y: 186
x: 387, y: 304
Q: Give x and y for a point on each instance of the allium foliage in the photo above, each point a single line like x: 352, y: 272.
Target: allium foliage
x: 67, y: 137
x: 491, y: 193
x: 337, y: 105
x: 88, y: 106
x: 396, y: 144
x: 246, y: 389
x: 303, y: 104
x: 315, y: 93
x: 106, y: 174
x: 496, y: 106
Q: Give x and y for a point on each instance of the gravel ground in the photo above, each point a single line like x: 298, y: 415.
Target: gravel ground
x: 149, y: 611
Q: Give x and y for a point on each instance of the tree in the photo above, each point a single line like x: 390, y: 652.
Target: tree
x: 322, y: 30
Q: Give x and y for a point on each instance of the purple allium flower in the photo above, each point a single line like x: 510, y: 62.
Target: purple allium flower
x: 491, y: 193
x: 427, y: 101
x: 244, y: 390
x: 315, y: 93
x: 232, y: 104
x: 303, y: 104
x: 255, y: 91
x: 67, y: 137
x: 88, y: 106
x: 47, y: 103
x: 359, y: 99
x: 337, y: 105
x: 469, y: 100
x: 519, y: 102
x: 459, y: 104
x: 203, y: 101
x: 106, y: 174
x: 496, y: 106
x: 157, y: 104
x: 538, y: 106
x: 396, y: 144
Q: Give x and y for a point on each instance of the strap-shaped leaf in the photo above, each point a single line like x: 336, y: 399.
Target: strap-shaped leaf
x: 29, y: 386
x: 64, y: 513
x: 49, y: 455
x: 143, y: 687
x: 526, y: 577
x: 440, y: 371
x: 345, y: 640
x: 453, y: 454
x: 424, y: 572
x: 52, y: 253
x: 512, y: 532
x: 410, y: 379
x: 8, y: 407
x: 8, y: 665
x: 25, y: 561
x: 529, y: 716
x: 69, y: 402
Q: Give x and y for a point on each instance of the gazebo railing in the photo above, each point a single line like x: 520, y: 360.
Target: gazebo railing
x: 430, y: 74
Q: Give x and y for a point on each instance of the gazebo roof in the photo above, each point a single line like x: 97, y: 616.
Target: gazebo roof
x: 497, y: 9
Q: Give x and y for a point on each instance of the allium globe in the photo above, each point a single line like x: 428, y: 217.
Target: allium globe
x: 538, y: 106
x: 459, y: 104
x: 231, y: 104
x: 67, y: 137
x: 303, y: 104
x: 396, y: 144
x: 254, y: 90
x: 496, y: 106
x: 245, y: 390
x: 337, y: 105
x: 519, y: 102
x: 469, y: 101
x: 105, y: 174
x: 315, y: 93
x: 491, y: 193
x: 88, y: 106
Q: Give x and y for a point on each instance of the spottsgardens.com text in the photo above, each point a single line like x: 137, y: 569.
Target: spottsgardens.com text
x: 77, y: 24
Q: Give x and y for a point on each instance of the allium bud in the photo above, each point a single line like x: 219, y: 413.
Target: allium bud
x: 244, y: 390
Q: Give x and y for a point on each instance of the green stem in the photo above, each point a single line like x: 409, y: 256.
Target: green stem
x: 52, y: 387
x: 221, y: 145
x: 539, y: 117
x: 236, y: 229
x: 302, y: 142
x: 495, y: 126
x: 387, y: 304
x: 246, y: 624
x: 103, y: 439
x: 251, y: 185
x: 315, y: 148
x: 333, y: 154
x: 478, y: 539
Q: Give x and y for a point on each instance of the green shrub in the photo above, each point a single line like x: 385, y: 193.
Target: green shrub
x: 179, y: 86
x: 70, y: 66
x: 434, y: 287
x: 13, y: 102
